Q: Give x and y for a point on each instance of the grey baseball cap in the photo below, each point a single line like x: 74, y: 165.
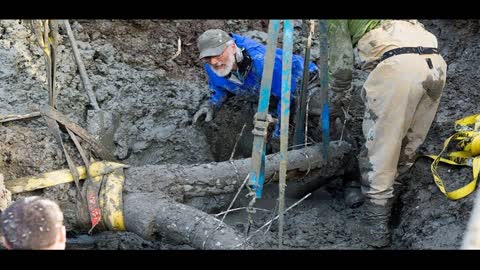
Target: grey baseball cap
x: 212, y: 42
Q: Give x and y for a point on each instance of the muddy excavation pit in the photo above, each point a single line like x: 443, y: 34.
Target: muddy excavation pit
x: 154, y: 98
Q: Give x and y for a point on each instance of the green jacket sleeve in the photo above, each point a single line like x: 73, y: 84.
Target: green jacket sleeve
x: 340, y: 52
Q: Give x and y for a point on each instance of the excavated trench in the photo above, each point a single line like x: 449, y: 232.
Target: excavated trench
x: 154, y: 99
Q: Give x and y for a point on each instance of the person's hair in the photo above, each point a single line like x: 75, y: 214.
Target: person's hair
x: 238, y: 54
x: 31, y: 223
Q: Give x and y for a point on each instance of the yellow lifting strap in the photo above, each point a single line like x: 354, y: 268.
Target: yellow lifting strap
x: 468, y: 137
x: 111, y: 202
x: 110, y: 194
x: 54, y: 178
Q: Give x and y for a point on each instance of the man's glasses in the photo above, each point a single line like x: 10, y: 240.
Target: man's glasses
x: 206, y: 59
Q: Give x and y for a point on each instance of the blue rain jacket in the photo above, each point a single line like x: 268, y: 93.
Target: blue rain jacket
x: 250, y: 84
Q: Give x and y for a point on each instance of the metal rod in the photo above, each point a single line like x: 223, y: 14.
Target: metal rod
x: 285, y: 115
x: 81, y: 67
x: 299, y: 134
x: 325, y: 121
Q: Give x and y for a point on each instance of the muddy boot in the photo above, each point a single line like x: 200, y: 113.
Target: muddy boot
x: 352, y: 194
x: 374, y: 224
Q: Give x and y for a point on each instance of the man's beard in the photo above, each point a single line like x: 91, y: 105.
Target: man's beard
x: 222, y: 72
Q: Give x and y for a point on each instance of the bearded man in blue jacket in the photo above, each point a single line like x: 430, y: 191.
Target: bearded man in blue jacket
x: 234, y: 66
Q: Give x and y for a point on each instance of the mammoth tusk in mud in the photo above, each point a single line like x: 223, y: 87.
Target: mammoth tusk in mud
x: 152, y: 201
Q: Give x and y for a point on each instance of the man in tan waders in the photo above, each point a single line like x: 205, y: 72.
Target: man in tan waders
x: 401, y: 94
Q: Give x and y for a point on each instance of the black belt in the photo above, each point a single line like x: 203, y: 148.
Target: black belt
x: 403, y: 50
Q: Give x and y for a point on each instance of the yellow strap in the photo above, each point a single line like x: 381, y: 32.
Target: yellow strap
x: 455, y: 158
x: 49, y: 179
x: 468, y: 137
x: 465, y: 190
x: 111, y: 201
x: 466, y: 121
x: 446, y: 160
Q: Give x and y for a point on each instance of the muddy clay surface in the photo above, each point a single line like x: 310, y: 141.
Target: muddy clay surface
x: 154, y: 99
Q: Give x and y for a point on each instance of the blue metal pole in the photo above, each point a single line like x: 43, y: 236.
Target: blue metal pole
x: 262, y: 119
x: 325, y: 122
x: 284, y: 120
